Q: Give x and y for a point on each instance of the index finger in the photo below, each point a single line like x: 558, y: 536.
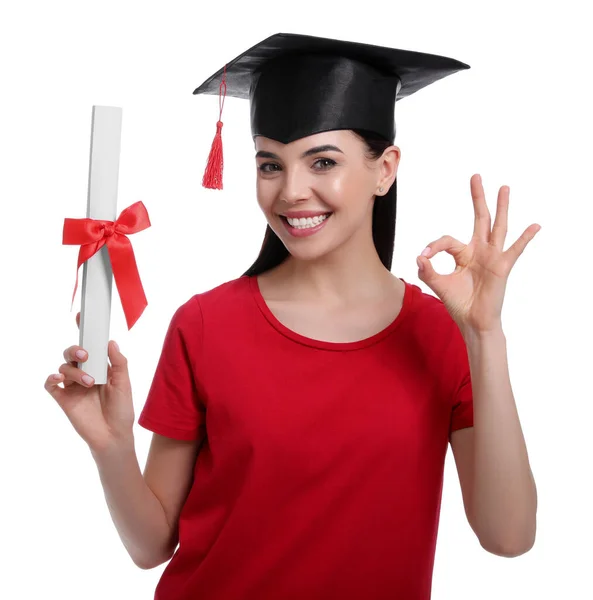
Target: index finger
x: 70, y: 355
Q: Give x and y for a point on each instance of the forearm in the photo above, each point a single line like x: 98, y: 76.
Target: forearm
x: 136, y: 512
x: 504, y: 495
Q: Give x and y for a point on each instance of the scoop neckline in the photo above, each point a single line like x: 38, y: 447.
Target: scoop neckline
x: 323, y: 344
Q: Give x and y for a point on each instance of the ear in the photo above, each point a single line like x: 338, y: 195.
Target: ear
x: 389, y: 164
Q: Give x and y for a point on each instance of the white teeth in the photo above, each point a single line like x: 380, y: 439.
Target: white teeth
x: 306, y: 223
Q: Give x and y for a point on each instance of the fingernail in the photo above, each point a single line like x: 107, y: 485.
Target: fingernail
x: 426, y: 251
x: 419, y: 263
x: 87, y: 379
x: 80, y: 353
x: 115, y: 345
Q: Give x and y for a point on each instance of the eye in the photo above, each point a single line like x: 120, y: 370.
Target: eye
x: 329, y: 163
x: 326, y: 164
x: 263, y: 166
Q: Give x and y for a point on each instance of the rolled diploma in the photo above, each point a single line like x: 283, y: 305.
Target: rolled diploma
x: 97, y: 276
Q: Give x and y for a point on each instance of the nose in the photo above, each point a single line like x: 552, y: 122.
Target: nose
x: 295, y: 188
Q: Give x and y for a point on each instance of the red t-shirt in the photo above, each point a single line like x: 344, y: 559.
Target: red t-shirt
x: 321, y: 469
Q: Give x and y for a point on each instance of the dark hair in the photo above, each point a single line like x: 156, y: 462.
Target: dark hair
x: 273, y: 252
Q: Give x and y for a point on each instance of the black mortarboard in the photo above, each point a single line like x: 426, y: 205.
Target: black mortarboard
x: 299, y: 85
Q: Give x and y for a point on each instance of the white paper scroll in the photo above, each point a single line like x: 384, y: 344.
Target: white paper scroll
x: 97, y: 276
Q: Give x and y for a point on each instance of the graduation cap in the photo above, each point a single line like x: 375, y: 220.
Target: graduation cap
x: 299, y: 85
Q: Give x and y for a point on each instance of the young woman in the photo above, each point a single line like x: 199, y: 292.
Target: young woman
x: 302, y: 412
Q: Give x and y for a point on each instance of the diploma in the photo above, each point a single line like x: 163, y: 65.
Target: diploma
x: 97, y: 276
x: 105, y: 249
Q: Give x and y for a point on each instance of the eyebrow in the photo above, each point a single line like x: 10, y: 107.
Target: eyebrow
x: 315, y: 150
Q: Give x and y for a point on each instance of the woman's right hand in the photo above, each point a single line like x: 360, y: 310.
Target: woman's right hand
x: 103, y: 415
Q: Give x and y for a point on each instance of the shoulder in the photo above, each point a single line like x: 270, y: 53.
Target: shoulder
x: 429, y: 310
x: 442, y: 345
x: 224, y: 301
x: 434, y: 329
x: 227, y: 291
x: 224, y: 292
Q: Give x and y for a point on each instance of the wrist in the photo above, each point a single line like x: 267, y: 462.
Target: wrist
x: 112, y: 448
x: 469, y: 333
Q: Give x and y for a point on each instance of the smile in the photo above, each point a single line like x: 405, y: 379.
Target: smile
x: 305, y: 227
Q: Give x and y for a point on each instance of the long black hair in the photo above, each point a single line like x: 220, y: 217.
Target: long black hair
x: 273, y: 252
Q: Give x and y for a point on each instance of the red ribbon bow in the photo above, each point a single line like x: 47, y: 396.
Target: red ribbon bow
x: 93, y: 234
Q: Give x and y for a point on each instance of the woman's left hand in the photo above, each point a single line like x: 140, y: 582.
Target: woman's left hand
x: 474, y: 292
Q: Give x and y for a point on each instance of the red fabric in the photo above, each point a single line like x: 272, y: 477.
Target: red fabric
x: 93, y: 234
x: 321, y: 469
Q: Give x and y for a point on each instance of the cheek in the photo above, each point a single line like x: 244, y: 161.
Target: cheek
x: 343, y: 186
x: 331, y: 186
x: 265, y: 194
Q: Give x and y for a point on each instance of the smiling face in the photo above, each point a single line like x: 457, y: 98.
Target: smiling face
x: 327, y: 173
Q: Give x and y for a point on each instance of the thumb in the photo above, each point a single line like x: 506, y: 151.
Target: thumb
x: 119, y: 364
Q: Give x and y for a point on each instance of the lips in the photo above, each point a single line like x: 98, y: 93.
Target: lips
x: 299, y: 232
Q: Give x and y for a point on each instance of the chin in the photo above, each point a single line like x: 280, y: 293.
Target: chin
x: 309, y: 251
x: 306, y: 248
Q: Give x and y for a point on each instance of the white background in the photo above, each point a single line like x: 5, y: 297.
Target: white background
x: 519, y: 117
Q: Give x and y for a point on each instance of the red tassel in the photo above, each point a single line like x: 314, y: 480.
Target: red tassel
x: 213, y: 174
